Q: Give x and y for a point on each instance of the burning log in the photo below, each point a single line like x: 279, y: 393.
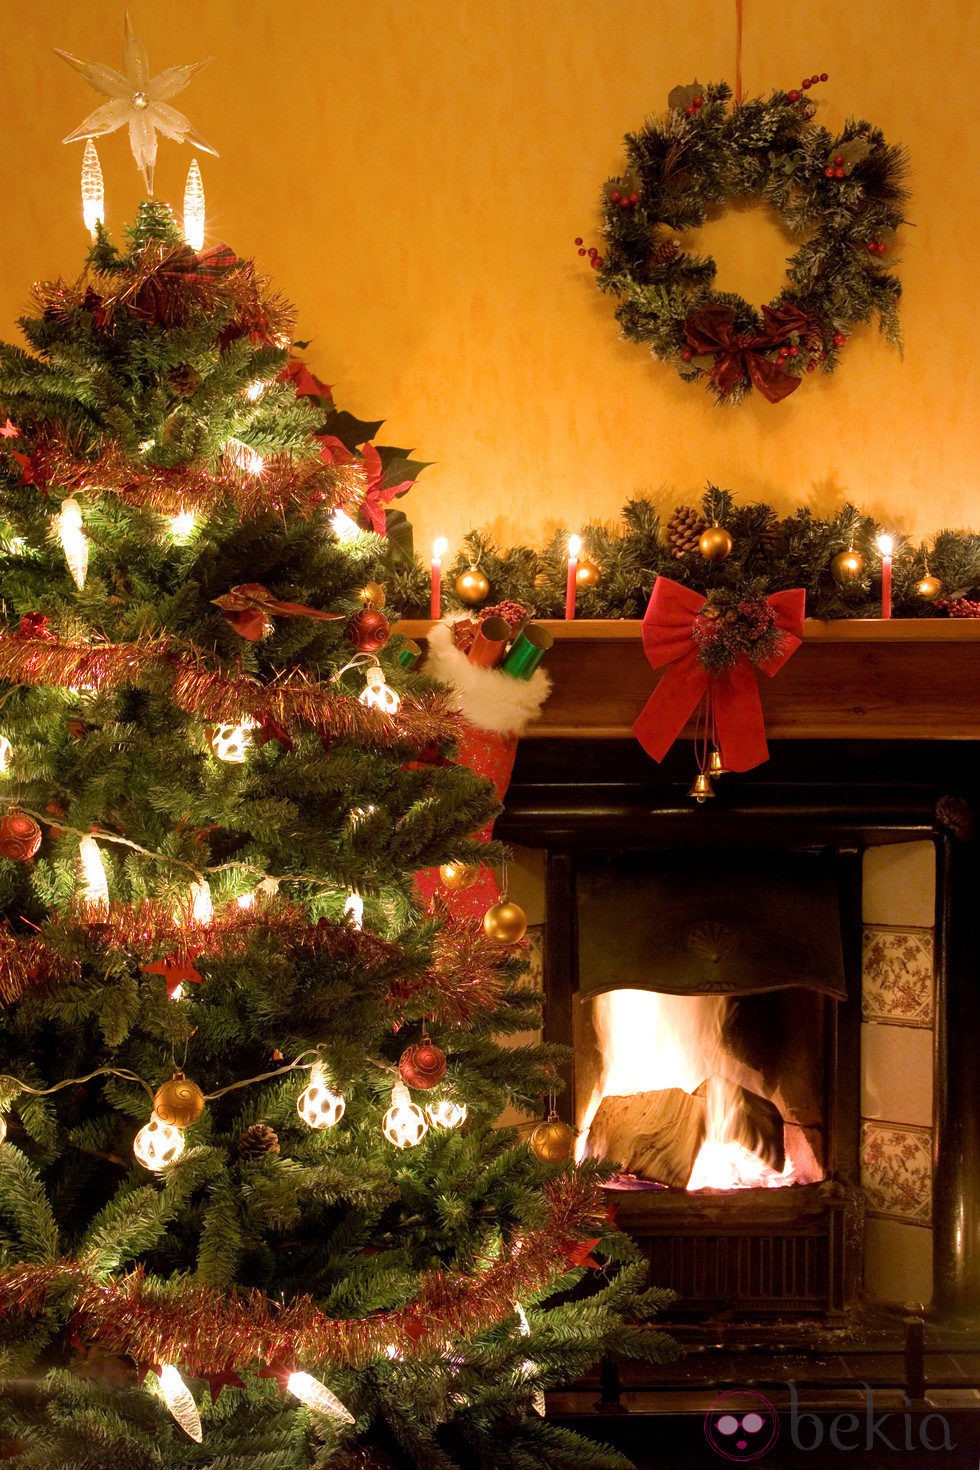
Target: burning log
x: 658, y: 1135
x: 750, y: 1120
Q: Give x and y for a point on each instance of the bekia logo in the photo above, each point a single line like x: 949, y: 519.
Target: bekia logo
x: 741, y: 1426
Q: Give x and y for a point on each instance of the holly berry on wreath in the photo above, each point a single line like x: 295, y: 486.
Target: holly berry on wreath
x: 20, y: 837
x: 705, y: 153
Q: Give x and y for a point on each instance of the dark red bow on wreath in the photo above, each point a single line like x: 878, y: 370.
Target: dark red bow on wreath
x: 710, y: 331
x: 736, y: 707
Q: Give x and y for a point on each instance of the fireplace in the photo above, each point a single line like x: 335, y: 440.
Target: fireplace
x: 704, y: 970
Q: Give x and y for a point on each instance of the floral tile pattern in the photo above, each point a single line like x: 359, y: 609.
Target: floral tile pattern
x: 896, y: 1171
x: 897, y: 981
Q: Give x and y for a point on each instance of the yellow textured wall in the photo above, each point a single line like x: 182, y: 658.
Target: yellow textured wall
x: 413, y: 172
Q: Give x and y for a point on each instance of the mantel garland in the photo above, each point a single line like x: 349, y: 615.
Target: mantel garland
x: 841, y: 197
x: 770, y: 553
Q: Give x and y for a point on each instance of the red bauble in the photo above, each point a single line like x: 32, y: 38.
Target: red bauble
x: 368, y: 630
x: 20, y: 837
x: 422, y: 1066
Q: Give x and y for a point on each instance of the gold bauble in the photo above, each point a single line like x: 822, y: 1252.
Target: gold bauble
x: 179, y: 1101
x: 372, y: 594
x: 506, y: 922
x: 552, y: 1141
x: 929, y: 588
x: 459, y: 876
x: 587, y: 574
x: 847, y: 567
x: 472, y: 586
x: 715, y: 543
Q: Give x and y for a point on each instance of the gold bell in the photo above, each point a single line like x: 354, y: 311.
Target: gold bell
x: 716, y: 766
x: 702, y: 788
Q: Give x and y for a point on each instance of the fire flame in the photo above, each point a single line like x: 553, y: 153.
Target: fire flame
x: 649, y: 1041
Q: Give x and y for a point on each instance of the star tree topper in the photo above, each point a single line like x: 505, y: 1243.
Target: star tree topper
x: 139, y: 100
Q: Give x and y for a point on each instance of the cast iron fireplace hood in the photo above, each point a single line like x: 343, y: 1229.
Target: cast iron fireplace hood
x: 709, y: 923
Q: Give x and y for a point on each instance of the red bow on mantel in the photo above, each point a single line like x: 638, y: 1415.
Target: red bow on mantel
x: 736, y: 707
x: 711, y: 331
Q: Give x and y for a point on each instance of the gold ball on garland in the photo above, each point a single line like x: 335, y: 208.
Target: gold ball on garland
x: 505, y: 921
x: 928, y: 588
x: 587, y: 574
x: 459, y: 876
x: 422, y: 1066
x: 369, y: 630
x: 179, y: 1102
x: 20, y: 837
x: 847, y: 567
x: 715, y: 543
x: 472, y: 586
x: 258, y: 1141
x: 552, y: 1141
x: 372, y: 594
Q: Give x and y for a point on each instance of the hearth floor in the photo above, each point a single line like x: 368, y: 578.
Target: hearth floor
x: 657, y: 1417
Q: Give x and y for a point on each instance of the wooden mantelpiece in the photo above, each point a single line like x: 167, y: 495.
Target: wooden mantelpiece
x: 904, y: 679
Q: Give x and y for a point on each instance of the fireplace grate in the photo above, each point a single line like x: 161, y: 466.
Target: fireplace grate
x: 761, y: 1273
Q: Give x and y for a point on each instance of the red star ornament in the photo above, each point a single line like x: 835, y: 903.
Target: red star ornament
x: 9, y: 431
x: 177, y: 969
x: 227, y: 1378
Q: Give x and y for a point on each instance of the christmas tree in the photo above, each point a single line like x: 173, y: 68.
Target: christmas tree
x: 255, y: 1207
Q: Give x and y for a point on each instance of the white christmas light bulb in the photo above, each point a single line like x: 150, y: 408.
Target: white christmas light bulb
x: 354, y: 910
x: 377, y: 694
x: 94, y: 883
x: 6, y: 754
x: 69, y: 529
x: 3, y: 1128
x: 255, y: 390
x: 178, y: 1399
x: 195, y: 210
x: 244, y: 457
x: 403, y: 1124
x: 232, y: 743
x: 446, y: 1114
x: 158, y: 1144
x: 316, y: 1396
x: 202, y: 905
x: 181, y: 525
x: 317, y: 1105
x: 343, y: 527
x: 93, y: 189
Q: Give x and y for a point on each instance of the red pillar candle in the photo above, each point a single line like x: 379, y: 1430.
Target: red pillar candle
x: 439, y: 547
x: 886, y: 545
x: 574, y: 547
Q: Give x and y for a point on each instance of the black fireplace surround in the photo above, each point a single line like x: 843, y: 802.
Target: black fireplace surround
x: 581, y: 800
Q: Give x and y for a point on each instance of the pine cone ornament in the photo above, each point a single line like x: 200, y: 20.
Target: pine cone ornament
x: 184, y: 380
x: 662, y: 255
x: 684, y: 530
x: 258, y: 1140
x: 813, y: 342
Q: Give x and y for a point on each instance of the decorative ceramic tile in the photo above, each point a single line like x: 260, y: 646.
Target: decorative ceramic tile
x: 900, y: 884
x: 897, y: 1074
x: 896, y: 1171
x: 897, y: 978
x: 898, y: 1263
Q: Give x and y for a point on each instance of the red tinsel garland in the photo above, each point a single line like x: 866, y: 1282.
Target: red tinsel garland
x: 204, y: 691
x: 201, y: 1330
x: 463, y: 978
x: 284, y: 484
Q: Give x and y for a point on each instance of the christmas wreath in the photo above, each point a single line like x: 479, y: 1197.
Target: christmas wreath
x: 841, y: 197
